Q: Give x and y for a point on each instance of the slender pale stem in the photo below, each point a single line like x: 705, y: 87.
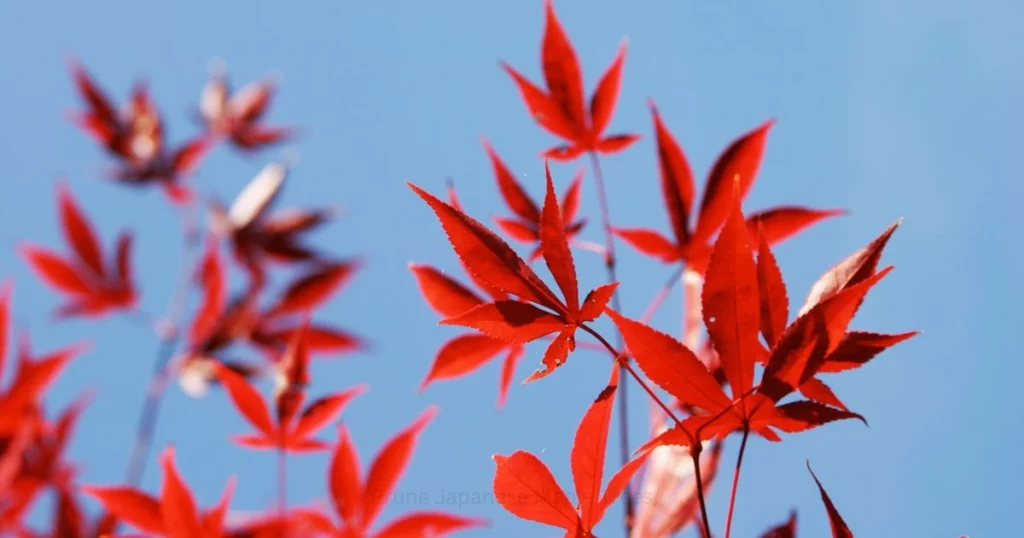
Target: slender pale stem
x: 736, y: 481
x: 282, y: 485
x: 169, y: 336
x: 659, y: 298
x: 609, y: 263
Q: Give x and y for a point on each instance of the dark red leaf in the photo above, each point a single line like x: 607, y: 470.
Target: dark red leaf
x: 443, y: 293
x: 517, y: 199
x: 853, y: 269
x: 741, y: 159
x: 462, y: 355
x: 588, y: 451
x: 781, y: 223
x: 509, y: 321
x: 650, y: 242
x: 79, y: 232
x: 731, y: 307
x: 596, y: 301
x: 524, y: 486
x: 555, y: 247
x: 562, y: 71
x: 772, y: 292
x: 839, y: 528
x: 602, y: 103
x: 857, y: 348
x: 671, y: 365
x: 677, y: 187
x: 55, y: 271
x: 389, y: 465
x: 311, y: 290
x: 485, y: 255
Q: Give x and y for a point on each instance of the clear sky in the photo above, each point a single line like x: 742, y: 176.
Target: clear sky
x: 908, y: 109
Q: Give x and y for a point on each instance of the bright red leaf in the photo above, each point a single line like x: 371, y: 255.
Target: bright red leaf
x: 561, y: 109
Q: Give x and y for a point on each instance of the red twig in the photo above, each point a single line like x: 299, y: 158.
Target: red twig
x: 736, y: 481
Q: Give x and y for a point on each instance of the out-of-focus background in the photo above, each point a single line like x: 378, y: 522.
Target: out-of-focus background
x: 890, y: 110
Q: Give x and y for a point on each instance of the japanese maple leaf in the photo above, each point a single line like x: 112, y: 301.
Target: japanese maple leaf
x: 44, y: 465
x: 690, y: 243
x: 68, y: 520
x: 258, y: 237
x: 94, y: 287
x: 219, y: 323
x: 168, y: 170
x: 560, y: 109
x: 294, y: 426
x: 134, y: 133
x: 855, y: 348
x: 839, y: 528
x: 465, y: 353
x: 19, y: 402
x: 524, y: 486
x: 238, y: 116
x: 43, y: 461
x: 783, y: 530
x: 732, y: 313
x: 358, y: 500
x: 490, y: 259
x: 173, y: 515
x: 525, y: 226
x: 135, y: 137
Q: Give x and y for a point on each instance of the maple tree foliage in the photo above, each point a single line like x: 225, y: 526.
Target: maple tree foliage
x: 744, y: 364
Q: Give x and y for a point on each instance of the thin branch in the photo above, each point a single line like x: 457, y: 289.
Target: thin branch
x: 659, y: 299
x: 169, y: 336
x: 282, y: 484
x: 629, y: 369
x: 695, y: 450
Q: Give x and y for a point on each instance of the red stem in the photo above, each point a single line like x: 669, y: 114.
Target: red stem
x: 662, y: 294
x: 629, y: 369
x: 695, y: 450
x: 736, y: 481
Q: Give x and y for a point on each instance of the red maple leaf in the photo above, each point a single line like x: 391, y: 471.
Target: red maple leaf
x: 839, y: 528
x: 218, y: 323
x: 19, y: 402
x: 539, y: 312
x: 135, y: 136
x: 691, y: 242
x: 465, y: 353
x: 238, y: 116
x: 257, y: 237
x: 524, y: 486
x: 560, y: 109
x: 94, y: 287
x: 855, y: 348
x: 173, y: 515
x: 732, y: 311
x: 358, y: 500
x: 783, y: 530
x: 294, y: 426
x: 525, y: 225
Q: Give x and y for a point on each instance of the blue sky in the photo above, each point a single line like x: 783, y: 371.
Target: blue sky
x: 887, y: 109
